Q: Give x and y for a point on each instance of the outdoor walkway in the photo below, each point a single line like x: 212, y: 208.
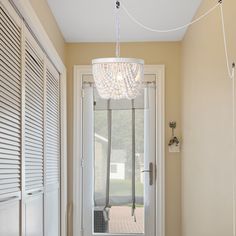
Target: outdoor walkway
x: 121, y: 220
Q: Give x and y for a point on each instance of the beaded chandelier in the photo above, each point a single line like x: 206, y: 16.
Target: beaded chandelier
x: 118, y: 77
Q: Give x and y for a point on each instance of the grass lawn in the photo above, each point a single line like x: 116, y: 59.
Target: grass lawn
x: 122, y: 187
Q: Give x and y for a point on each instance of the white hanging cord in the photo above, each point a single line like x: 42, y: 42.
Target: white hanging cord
x: 168, y: 30
x: 231, y: 73
x: 233, y: 146
x: 117, y: 29
x: 233, y: 153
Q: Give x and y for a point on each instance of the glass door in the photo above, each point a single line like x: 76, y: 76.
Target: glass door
x: 119, y: 164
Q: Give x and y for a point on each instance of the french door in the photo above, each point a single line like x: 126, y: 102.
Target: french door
x: 119, y: 163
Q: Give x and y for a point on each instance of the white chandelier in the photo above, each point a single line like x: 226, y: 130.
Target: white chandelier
x: 118, y: 77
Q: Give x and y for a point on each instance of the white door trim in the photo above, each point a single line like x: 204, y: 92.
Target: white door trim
x: 30, y: 17
x: 79, y: 72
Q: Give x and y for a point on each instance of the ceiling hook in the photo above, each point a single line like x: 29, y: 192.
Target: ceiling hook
x: 117, y: 4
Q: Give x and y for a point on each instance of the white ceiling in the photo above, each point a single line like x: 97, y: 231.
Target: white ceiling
x: 94, y: 20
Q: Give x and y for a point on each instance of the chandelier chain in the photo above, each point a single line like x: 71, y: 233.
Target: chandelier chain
x: 117, y: 29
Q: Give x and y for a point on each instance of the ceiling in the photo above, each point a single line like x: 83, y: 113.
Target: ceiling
x: 94, y: 20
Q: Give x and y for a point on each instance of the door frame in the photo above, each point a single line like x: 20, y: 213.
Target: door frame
x: 81, y: 71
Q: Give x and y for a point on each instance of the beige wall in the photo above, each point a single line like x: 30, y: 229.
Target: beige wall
x: 153, y: 53
x: 49, y: 23
x: 206, y: 125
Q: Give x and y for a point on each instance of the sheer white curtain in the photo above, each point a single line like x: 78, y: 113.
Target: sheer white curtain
x: 118, y: 178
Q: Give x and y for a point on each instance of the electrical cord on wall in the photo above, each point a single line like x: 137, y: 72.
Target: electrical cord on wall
x: 231, y: 74
x: 233, y: 152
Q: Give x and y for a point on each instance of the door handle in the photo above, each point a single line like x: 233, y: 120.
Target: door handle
x: 150, y: 171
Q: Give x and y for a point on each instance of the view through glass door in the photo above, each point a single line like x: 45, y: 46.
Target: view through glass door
x: 119, y: 163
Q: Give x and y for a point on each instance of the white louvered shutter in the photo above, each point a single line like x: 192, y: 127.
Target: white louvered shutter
x: 52, y: 152
x: 10, y: 106
x: 34, y: 119
x: 29, y: 132
x: 52, y: 127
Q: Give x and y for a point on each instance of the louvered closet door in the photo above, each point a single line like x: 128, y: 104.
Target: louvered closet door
x: 34, y: 137
x: 52, y: 156
x: 10, y: 123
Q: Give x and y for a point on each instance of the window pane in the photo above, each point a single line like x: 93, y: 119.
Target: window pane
x: 116, y: 217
